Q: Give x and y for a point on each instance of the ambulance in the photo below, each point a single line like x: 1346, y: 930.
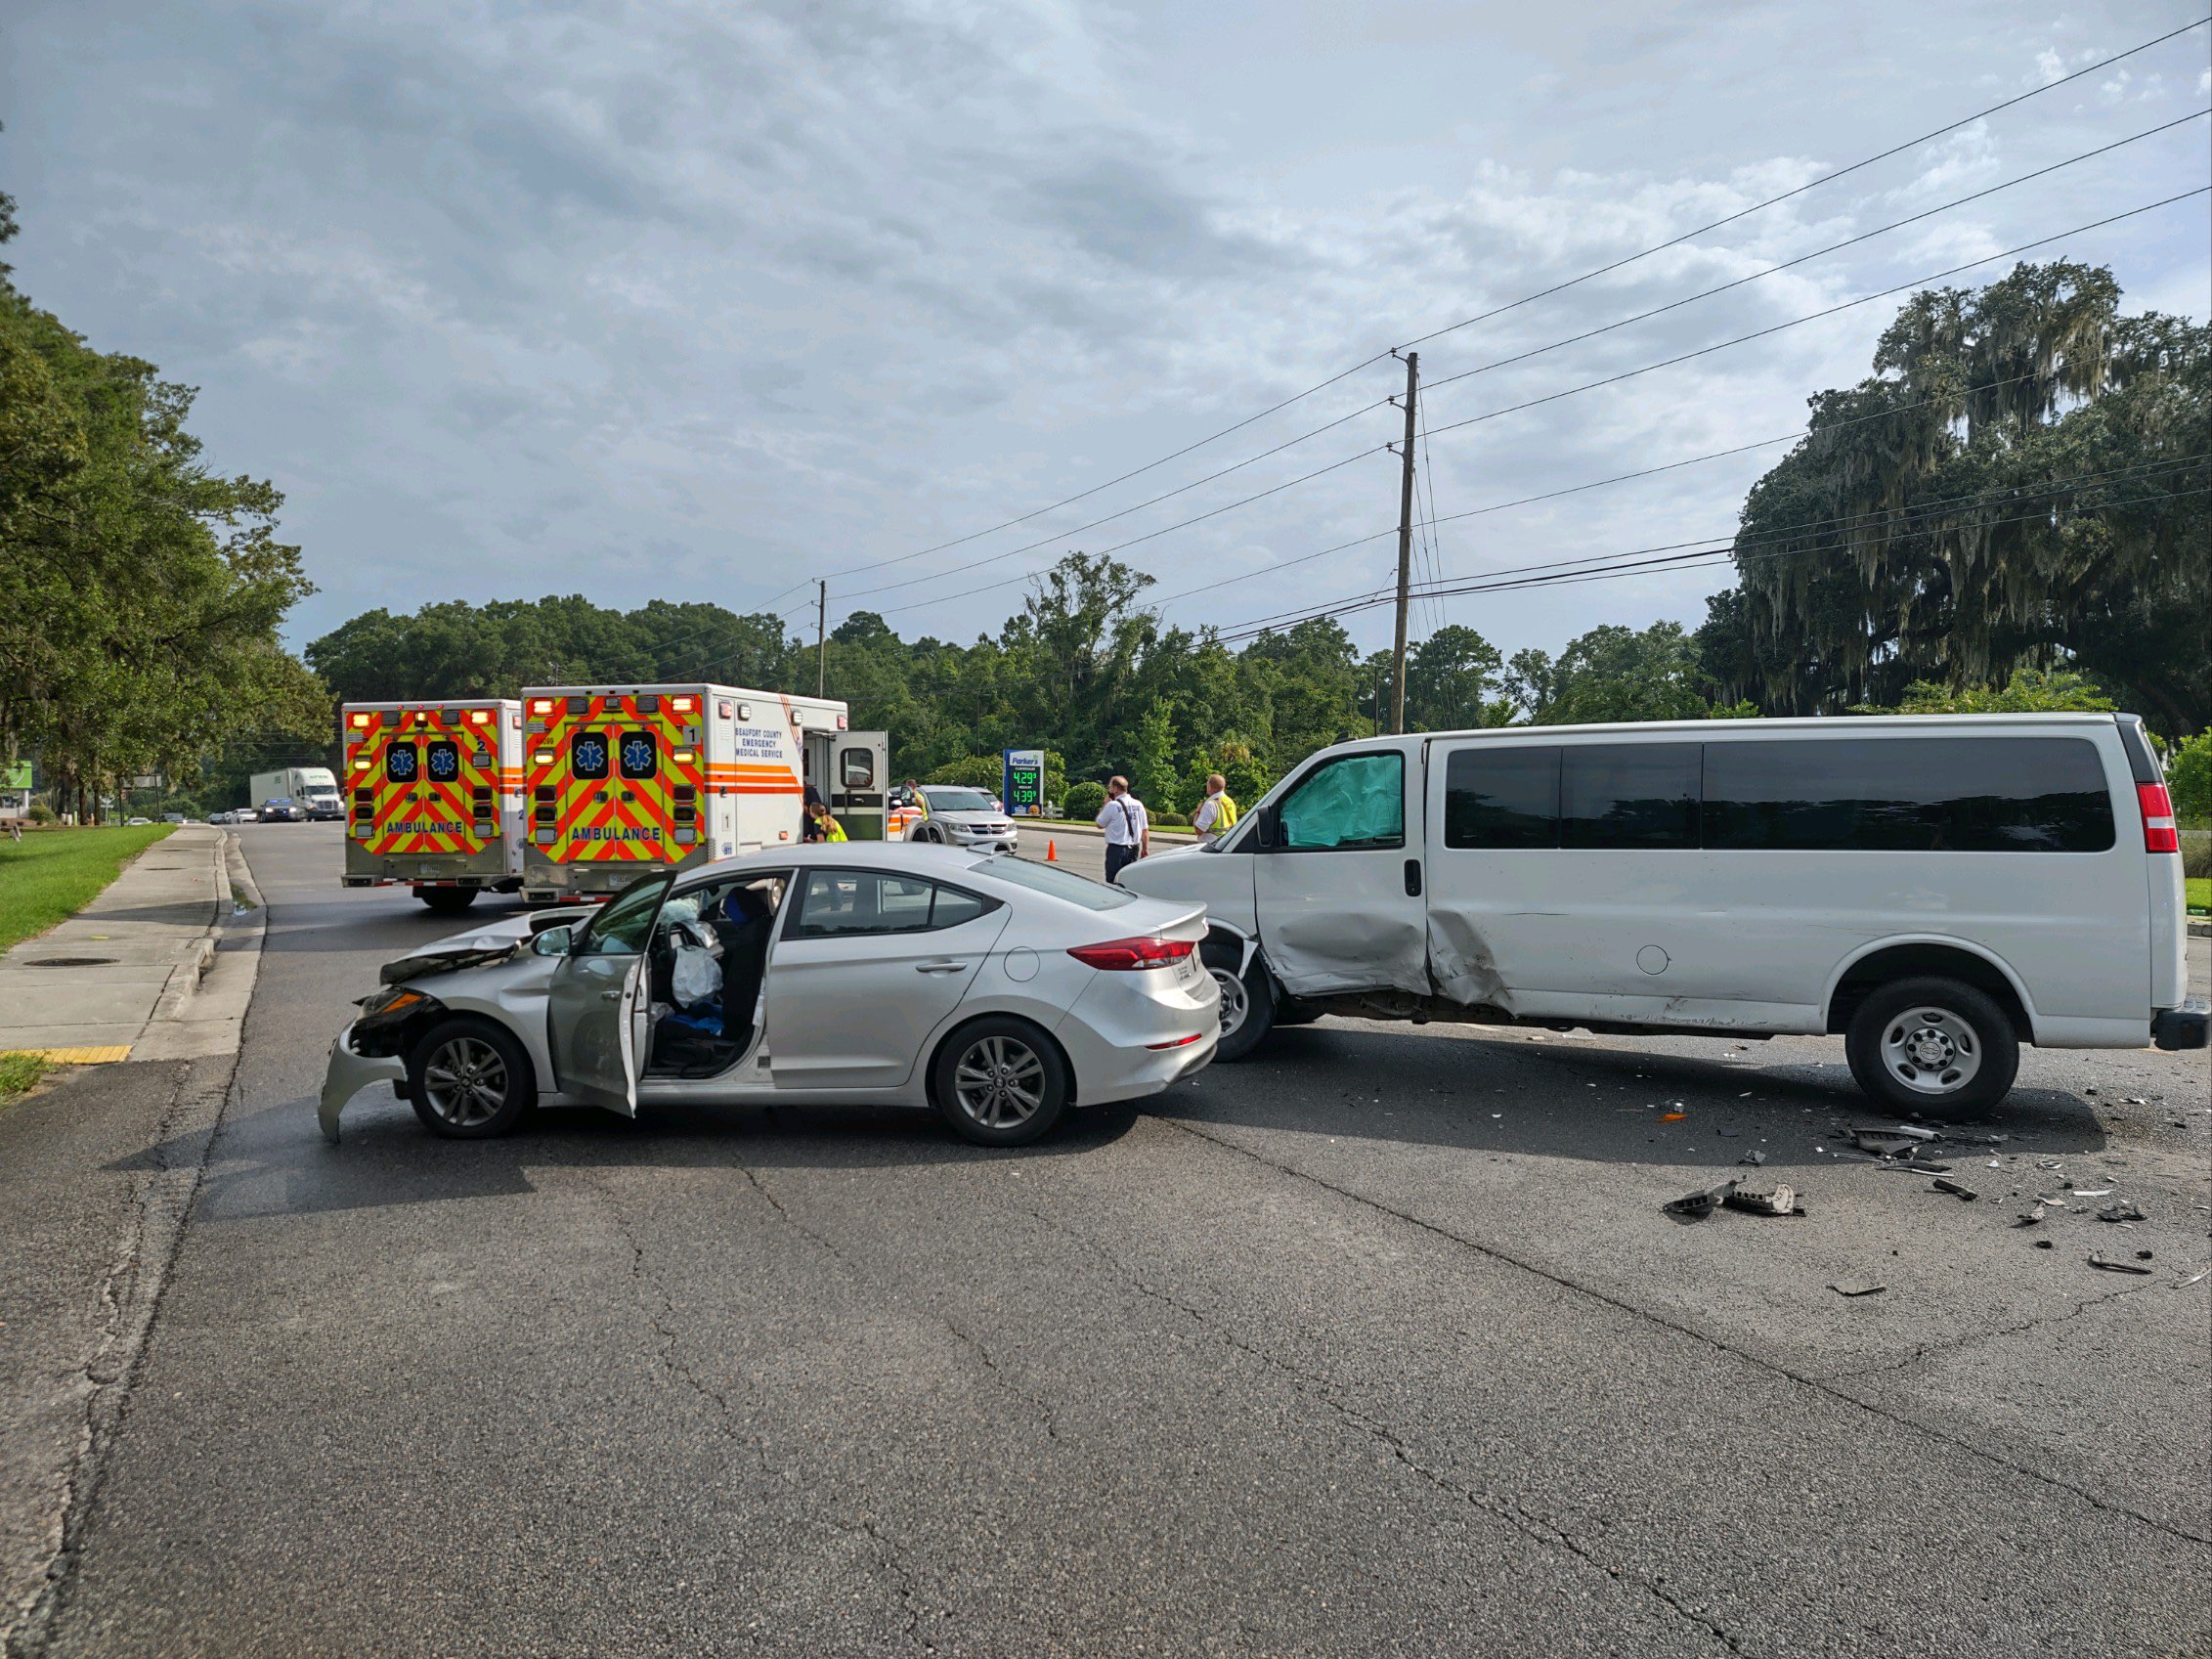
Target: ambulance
x: 621, y: 781
x: 433, y: 797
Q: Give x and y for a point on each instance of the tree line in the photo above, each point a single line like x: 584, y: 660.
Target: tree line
x: 140, y: 591
x: 2014, y: 510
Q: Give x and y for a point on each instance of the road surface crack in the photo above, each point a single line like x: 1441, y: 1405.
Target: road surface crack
x: 1954, y: 1344
x: 1804, y: 1380
x: 1391, y: 1440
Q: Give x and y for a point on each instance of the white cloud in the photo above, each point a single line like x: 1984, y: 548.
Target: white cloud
x: 694, y: 300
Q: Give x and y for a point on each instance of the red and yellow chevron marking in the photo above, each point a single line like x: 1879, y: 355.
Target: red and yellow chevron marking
x: 411, y: 810
x: 616, y: 819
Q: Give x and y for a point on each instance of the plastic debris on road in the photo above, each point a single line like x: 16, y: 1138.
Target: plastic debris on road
x: 1777, y: 1200
x: 1954, y: 1188
x: 1856, y: 1287
x: 1696, y: 1207
x: 1754, y: 1157
x: 2110, y: 1265
x: 2121, y: 1212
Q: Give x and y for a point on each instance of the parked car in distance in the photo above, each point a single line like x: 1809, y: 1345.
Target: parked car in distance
x: 132, y: 823
x: 282, y: 811
x: 175, y: 819
x: 948, y: 815
x: 998, y: 993
x: 1935, y: 890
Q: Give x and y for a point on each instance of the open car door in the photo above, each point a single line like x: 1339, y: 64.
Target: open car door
x: 597, y: 1004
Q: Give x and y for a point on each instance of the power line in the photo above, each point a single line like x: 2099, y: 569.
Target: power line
x: 1578, y: 488
x: 1706, y: 549
x: 1592, y: 385
x: 1820, y: 253
x: 1530, y: 298
x: 1078, y: 529
x: 1816, y: 316
x: 1153, y: 534
x: 1812, y: 184
x: 1850, y: 523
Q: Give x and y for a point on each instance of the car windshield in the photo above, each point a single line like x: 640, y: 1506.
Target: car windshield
x: 1060, y: 883
x: 957, y: 800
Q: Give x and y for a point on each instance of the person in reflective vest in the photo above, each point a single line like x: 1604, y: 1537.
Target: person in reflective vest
x: 1215, y: 815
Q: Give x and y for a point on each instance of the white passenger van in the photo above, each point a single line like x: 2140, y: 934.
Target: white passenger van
x: 1935, y: 889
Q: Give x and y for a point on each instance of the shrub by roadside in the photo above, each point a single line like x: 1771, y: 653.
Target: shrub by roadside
x: 48, y: 877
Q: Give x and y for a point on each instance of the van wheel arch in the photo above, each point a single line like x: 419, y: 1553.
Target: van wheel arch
x: 1926, y: 960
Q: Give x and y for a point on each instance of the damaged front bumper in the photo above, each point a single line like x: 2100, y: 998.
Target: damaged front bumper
x: 349, y: 1074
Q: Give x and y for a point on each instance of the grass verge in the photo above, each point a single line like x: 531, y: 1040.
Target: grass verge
x: 20, y: 1075
x: 2200, y: 894
x: 52, y: 874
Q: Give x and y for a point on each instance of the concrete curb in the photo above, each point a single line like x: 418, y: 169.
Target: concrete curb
x: 207, y: 1014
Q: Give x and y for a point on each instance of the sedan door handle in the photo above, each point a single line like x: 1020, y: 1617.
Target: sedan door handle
x: 610, y: 996
x: 940, y: 967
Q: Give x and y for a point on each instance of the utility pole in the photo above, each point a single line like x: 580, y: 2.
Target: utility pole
x: 1405, y: 544
x: 822, y: 639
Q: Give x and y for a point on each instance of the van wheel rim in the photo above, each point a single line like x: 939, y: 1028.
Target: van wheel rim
x: 1932, y: 1051
x: 1236, y: 1001
x: 999, y: 1082
x: 465, y: 1082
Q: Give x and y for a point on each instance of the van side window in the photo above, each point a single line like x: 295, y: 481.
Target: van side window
x: 1356, y: 801
x: 1501, y: 795
x: 1909, y: 795
x: 1641, y: 795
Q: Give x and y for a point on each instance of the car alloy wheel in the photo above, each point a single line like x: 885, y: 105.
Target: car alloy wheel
x: 465, y: 1082
x: 999, y: 1082
x: 1235, y: 1002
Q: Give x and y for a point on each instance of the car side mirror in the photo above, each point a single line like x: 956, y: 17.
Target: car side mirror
x: 1267, y: 829
x: 554, y: 941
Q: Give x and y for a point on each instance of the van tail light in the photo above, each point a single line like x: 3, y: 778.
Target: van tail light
x: 1123, y: 954
x: 2159, y: 832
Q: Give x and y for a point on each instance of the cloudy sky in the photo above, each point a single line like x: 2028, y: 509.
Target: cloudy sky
x: 699, y: 299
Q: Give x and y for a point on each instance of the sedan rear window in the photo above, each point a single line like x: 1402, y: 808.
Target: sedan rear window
x: 1060, y: 883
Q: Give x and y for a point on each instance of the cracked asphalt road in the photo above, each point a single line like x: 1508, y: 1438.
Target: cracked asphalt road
x: 1380, y: 1346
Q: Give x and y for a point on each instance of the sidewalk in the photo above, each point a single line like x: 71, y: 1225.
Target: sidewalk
x: 86, y: 990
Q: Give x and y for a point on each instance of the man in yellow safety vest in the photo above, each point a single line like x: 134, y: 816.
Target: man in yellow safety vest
x: 1215, y: 815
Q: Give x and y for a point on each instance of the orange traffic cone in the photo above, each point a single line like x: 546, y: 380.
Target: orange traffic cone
x: 1052, y: 853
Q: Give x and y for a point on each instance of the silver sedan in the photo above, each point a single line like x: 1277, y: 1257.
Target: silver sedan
x: 997, y: 992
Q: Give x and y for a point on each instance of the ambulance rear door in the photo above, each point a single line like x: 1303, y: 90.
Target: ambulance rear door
x: 859, y: 783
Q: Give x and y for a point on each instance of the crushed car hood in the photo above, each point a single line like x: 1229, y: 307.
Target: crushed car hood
x: 478, y: 947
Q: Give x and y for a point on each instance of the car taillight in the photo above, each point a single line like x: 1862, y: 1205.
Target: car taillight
x: 2159, y: 833
x: 1123, y: 954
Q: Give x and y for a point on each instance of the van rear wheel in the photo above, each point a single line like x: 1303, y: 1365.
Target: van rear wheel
x: 447, y: 901
x: 1932, y: 1041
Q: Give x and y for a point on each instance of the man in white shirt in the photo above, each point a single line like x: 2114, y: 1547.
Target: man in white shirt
x: 1128, y: 828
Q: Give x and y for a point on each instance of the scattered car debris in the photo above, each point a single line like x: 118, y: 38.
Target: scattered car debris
x: 2143, y: 1256
x: 2045, y: 1245
x: 1917, y: 1134
x: 2092, y: 1192
x: 2110, y: 1265
x: 1729, y: 1132
x: 1754, y: 1157
x: 1881, y: 1141
x: 1696, y: 1207
x: 2122, y: 1211
x: 2030, y: 1218
x: 1918, y: 1167
x: 1856, y: 1287
x: 1777, y: 1200
x: 1672, y: 1117
x: 1955, y: 1189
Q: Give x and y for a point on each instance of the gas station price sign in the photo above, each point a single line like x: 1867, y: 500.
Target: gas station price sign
x: 1024, y: 791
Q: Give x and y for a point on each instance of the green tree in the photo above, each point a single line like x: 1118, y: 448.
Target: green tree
x: 2029, y: 691
x: 1613, y: 674
x: 2189, y: 774
x: 2021, y: 481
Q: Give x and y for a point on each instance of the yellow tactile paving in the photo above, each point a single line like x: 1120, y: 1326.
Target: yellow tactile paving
x: 95, y: 1055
